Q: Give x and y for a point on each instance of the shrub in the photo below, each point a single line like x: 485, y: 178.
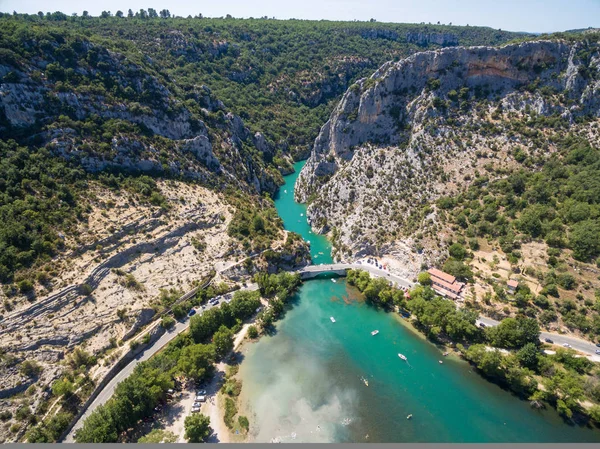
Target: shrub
x: 252, y: 332
x: 167, y: 322
x: 25, y: 286
x: 86, y: 289
x: 244, y: 423
x: 30, y: 368
x: 230, y: 411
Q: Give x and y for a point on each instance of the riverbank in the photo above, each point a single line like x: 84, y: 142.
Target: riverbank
x: 306, y: 377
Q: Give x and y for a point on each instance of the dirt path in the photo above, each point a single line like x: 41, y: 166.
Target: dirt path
x: 176, y: 414
x: 212, y: 409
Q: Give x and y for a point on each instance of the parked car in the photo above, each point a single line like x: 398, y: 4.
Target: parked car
x: 482, y: 325
x: 566, y: 345
x: 547, y: 340
x: 192, y: 312
x: 200, y: 398
x: 195, y: 409
x: 598, y: 344
x: 201, y: 393
x: 597, y: 351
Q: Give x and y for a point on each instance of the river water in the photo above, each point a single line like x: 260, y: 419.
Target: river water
x: 305, y: 382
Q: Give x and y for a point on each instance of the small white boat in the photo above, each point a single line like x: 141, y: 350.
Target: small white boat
x: 332, y: 319
x: 441, y: 362
x: 302, y: 215
x: 409, y: 416
x: 365, y: 381
x: 285, y: 191
x: 375, y: 332
x: 333, y: 280
x: 402, y: 356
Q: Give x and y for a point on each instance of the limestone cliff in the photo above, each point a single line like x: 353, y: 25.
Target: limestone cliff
x: 425, y: 125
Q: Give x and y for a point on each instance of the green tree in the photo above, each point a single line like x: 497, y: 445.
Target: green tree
x: 566, y: 388
x: 424, y: 278
x: 197, y: 428
x: 584, y: 239
x: 457, y: 251
x: 514, y: 333
x: 62, y: 387
x: 98, y: 427
x: 223, y: 342
x: 252, y: 332
x: 458, y: 269
x: 528, y: 356
x: 196, y: 361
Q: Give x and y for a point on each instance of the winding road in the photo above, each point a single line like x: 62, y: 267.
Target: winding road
x: 575, y: 343
x: 109, y: 390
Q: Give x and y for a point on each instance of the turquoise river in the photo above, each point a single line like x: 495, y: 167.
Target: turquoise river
x: 304, y: 382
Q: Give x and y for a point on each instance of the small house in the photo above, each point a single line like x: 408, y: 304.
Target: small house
x: 512, y: 286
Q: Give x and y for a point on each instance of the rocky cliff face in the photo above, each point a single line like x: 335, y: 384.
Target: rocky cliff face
x: 145, y: 124
x: 425, y: 125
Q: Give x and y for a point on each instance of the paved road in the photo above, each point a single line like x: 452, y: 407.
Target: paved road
x: 576, y: 343
x: 109, y: 390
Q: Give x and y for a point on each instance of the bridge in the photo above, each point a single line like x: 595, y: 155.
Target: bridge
x: 341, y: 269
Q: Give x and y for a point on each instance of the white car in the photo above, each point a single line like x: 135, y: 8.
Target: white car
x: 566, y: 345
x: 200, y: 393
x: 200, y: 398
x: 195, y: 409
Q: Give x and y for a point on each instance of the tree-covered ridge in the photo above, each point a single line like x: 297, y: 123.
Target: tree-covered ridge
x: 559, y: 203
x: 282, y: 77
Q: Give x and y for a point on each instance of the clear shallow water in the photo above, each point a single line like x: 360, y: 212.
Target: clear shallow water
x: 304, y: 384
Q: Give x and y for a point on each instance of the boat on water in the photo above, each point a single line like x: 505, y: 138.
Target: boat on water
x: 409, y: 416
x: 333, y: 280
x: 375, y: 332
x: 365, y: 381
x: 402, y: 356
x: 332, y: 319
x: 285, y: 191
x: 441, y: 362
x: 302, y: 215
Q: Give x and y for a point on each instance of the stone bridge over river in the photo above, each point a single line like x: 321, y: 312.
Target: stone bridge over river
x: 341, y: 269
